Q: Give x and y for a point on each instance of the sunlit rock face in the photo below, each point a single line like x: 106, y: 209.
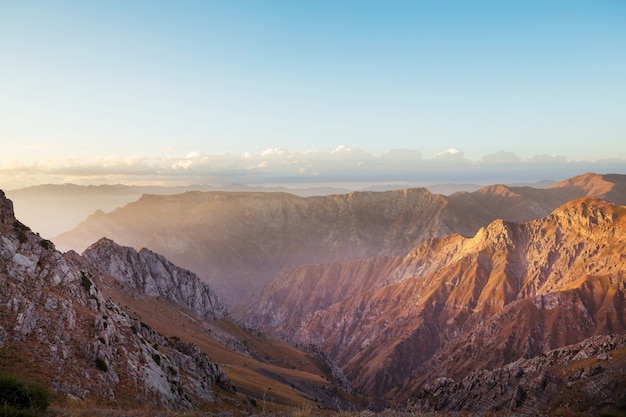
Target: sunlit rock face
x: 457, y: 304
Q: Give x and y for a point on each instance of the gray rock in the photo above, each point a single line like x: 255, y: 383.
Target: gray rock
x: 53, y: 313
x: 152, y: 274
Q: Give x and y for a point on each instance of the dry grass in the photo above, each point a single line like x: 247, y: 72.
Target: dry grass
x: 249, y: 374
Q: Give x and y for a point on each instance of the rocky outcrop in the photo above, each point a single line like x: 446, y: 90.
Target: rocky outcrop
x: 588, y: 376
x: 7, y: 216
x: 57, y: 327
x: 152, y: 274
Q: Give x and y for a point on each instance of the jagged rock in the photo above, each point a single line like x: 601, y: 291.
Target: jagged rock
x: 152, y: 274
x: 7, y: 216
x: 58, y: 322
x: 528, y: 385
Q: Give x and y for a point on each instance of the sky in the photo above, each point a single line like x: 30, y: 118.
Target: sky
x: 270, y: 91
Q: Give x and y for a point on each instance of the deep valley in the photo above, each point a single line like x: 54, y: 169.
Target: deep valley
x: 504, y: 299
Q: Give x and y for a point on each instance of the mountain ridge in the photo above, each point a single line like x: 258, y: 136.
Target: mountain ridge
x: 130, y: 342
x: 238, y: 242
x: 153, y: 275
x: 545, y: 271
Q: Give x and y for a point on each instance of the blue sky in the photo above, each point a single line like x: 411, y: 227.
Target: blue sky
x: 107, y: 90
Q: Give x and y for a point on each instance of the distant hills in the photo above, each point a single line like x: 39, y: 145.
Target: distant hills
x: 54, y: 209
x: 69, y: 204
x: 239, y: 241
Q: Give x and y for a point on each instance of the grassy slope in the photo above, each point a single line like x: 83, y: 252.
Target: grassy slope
x: 269, y: 373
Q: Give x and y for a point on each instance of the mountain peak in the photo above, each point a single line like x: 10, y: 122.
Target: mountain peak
x: 499, y: 190
x: 7, y: 215
x: 498, y: 231
x: 154, y: 275
x: 590, y: 212
x: 592, y: 184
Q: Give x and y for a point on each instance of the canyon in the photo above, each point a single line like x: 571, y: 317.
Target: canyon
x: 504, y: 298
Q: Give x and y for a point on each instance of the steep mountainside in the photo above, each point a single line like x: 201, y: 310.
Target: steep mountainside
x: 129, y: 329
x: 153, y: 275
x: 58, y: 328
x: 238, y: 242
x: 286, y: 301
x: 456, y: 304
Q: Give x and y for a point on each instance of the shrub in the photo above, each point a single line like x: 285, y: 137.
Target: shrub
x: 102, y: 365
x: 46, y: 244
x: 21, y: 398
x: 85, y: 281
x: 21, y: 229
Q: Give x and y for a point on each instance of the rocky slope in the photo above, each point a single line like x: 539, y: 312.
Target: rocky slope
x: 238, y: 242
x: 587, y: 376
x: 151, y: 274
x: 296, y: 293
x: 92, y: 328
x: 457, y: 304
x: 57, y: 327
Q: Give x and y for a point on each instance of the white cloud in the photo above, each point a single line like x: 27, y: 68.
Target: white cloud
x: 342, y: 164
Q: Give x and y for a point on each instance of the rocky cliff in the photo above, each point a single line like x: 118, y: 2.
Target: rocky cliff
x: 588, y: 376
x: 238, y: 242
x: 455, y: 304
x: 58, y: 328
x: 155, y: 276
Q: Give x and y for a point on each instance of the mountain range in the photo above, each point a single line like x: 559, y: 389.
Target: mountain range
x: 117, y: 327
x: 503, y: 298
x: 457, y: 304
x: 239, y: 241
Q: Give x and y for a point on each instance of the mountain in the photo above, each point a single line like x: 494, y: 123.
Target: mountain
x: 125, y: 329
x: 59, y: 328
x: 151, y: 274
x: 294, y: 294
x: 238, y: 242
x: 68, y: 204
x: 457, y: 304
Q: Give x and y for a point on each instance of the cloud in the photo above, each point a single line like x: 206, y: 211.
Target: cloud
x: 272, y: 166
x: 501, y: 158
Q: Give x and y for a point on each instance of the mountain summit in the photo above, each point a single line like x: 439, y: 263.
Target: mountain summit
x: 155, y: 276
